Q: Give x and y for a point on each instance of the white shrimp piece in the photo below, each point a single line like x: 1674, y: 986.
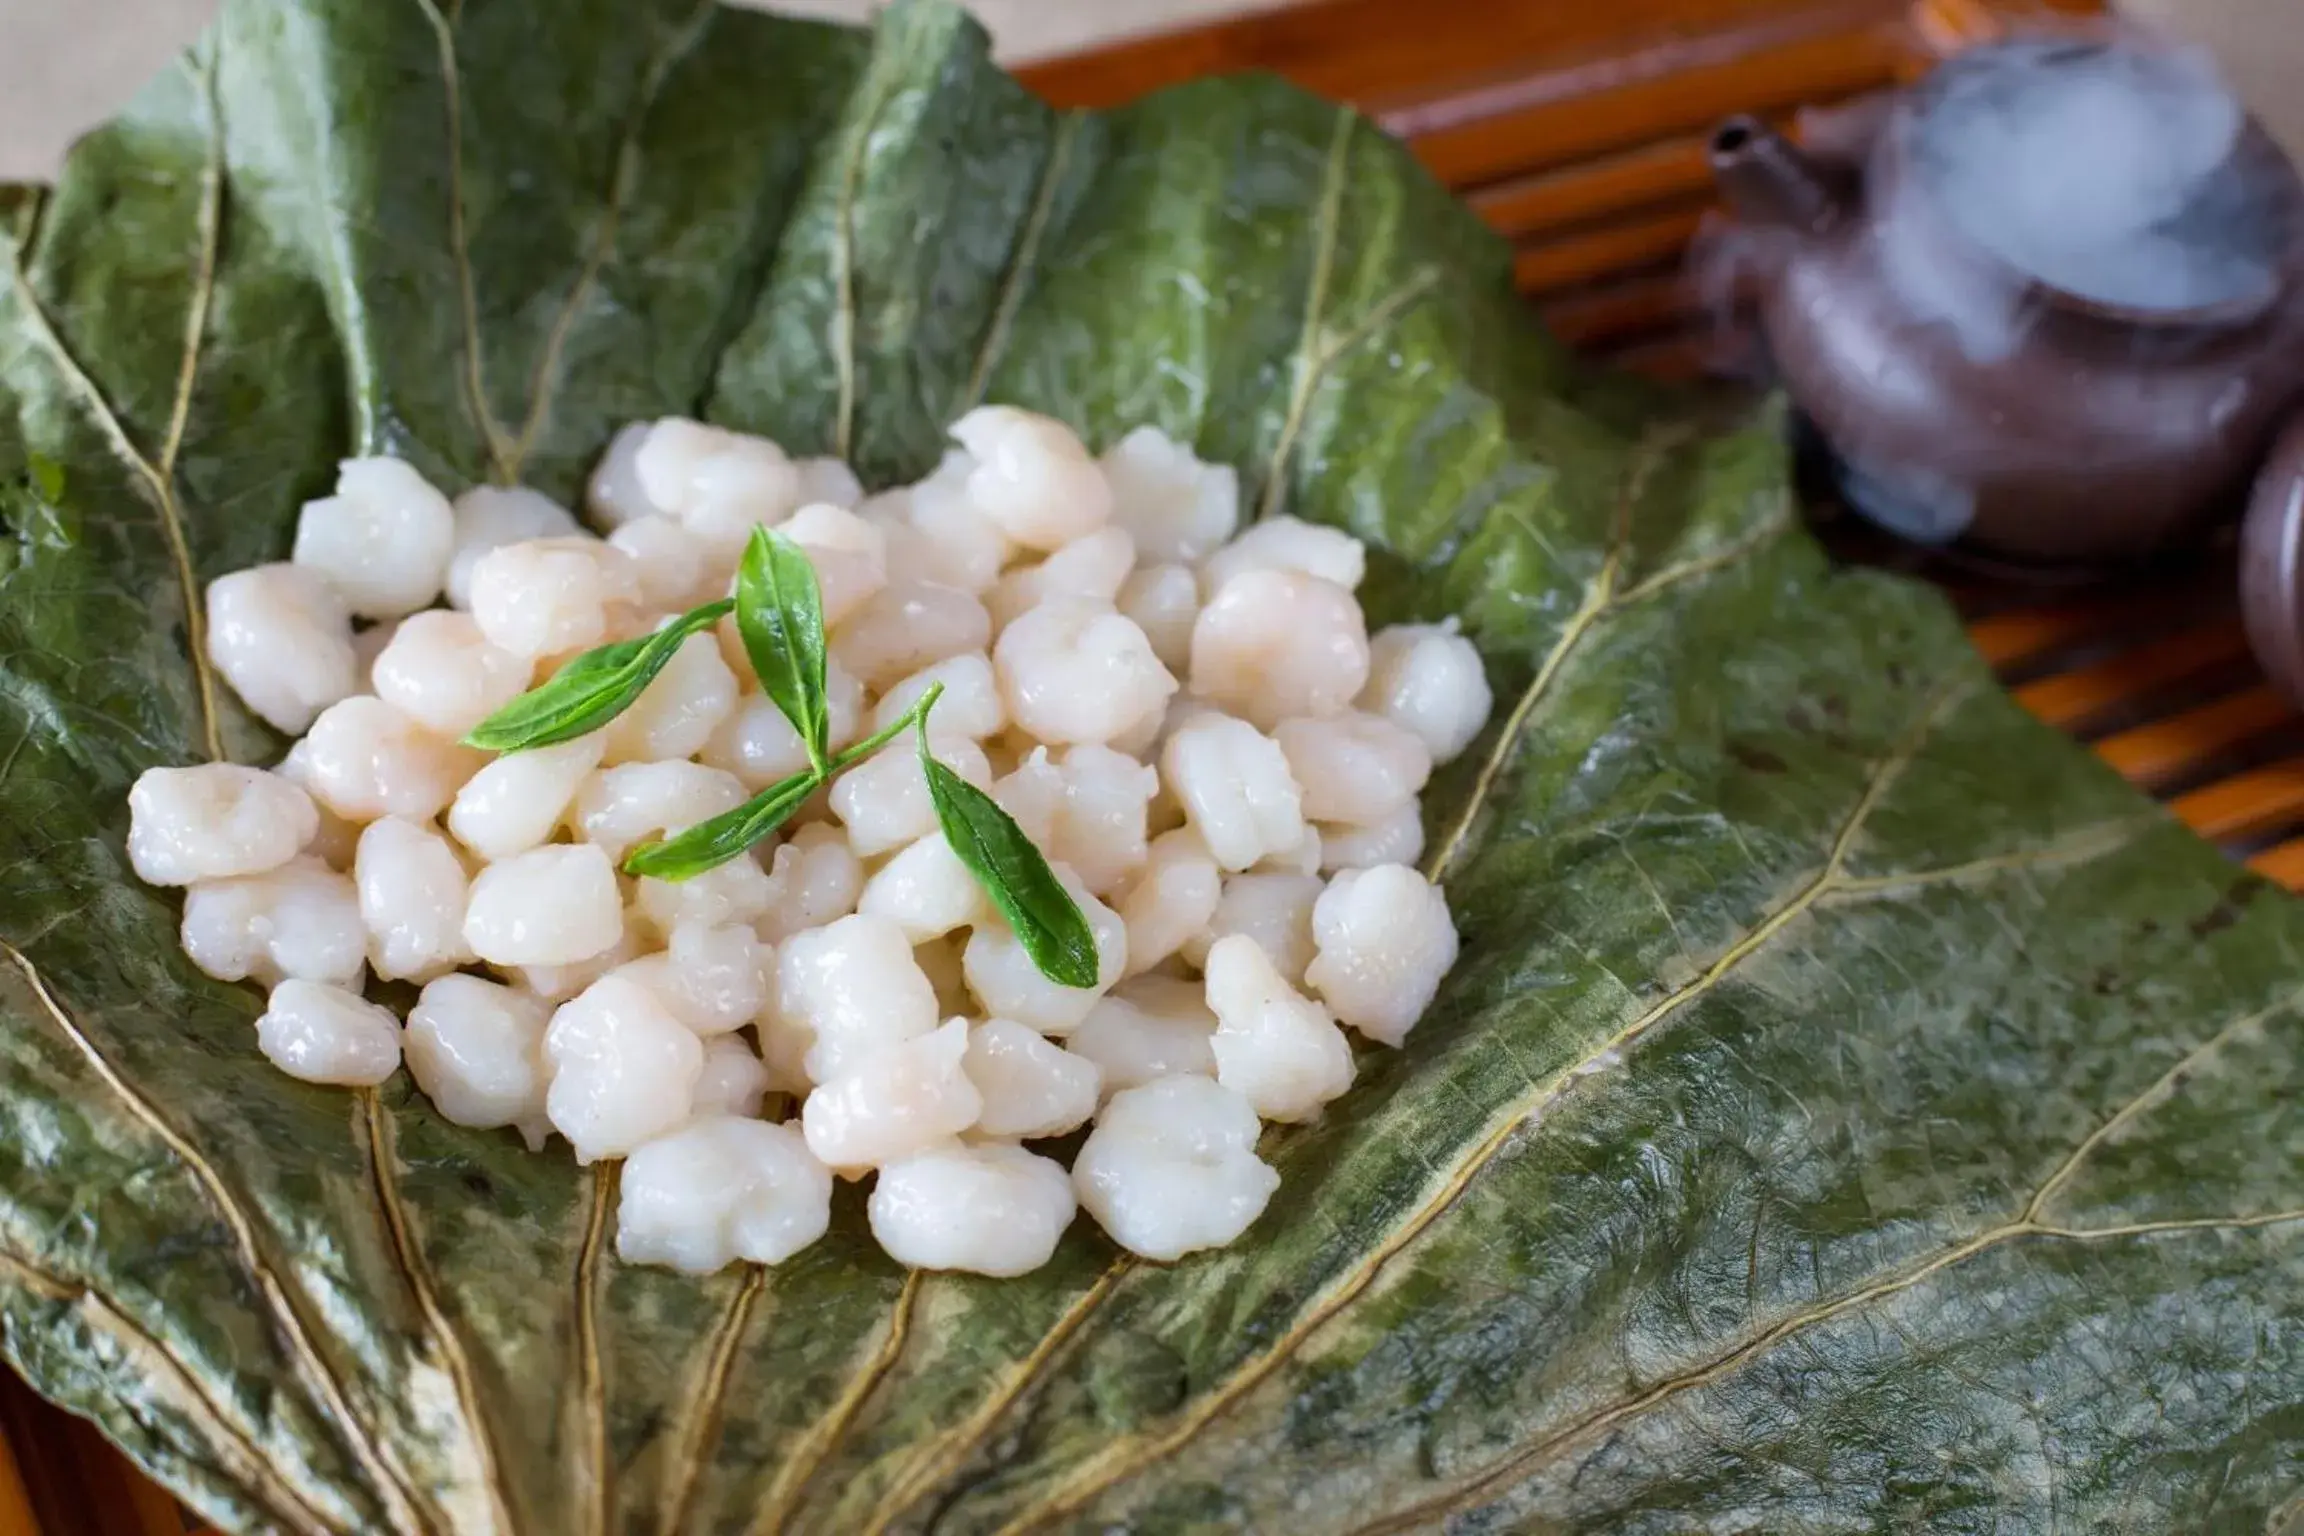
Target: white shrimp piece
x: 383, y: 540
x: 1234, y: 785
x: 828, y: 480
x: 1273, y: 909
x: 671, y: 567
x: 1162, y: 601
x: 721, y: 484
x: 1032, y: 476
x: 719, y: 1189
x: 1100, y: 827
x: 893, y: 1102
x: 554, y: 905
x: 713, y: 979
x: 986, y: 1210
x: 884, y: 801
x: 492, y: 516
x: 1074, y: 670
x: 1172, y: 1167
x: 1384, y: 940
x: 513, y: 804
x: 1353, y: 767
x: 624, y: 1070
x: 1274, y: 645
x: 326, y: 1034
x: 758, y: 745
x: 854, y: 987
x: 1175, y: 507
x: 546, y: 597
x: 1274, y: 1046
x: 1301, y: 857
x: 336, y: 840
x: 476, y: 1048
x: 215, y: 821
x: 621, y: 807
x: 300, y: 921
x: 680, y: 464
x: 412, y: 893
x: 1031, y: 1086
x: 679, y: 710
x: 282, y: 638
x: 1173, y: 898
x: 1010, y: 986
x: 1427, y: 679
x: 365, y: 759
x: 936, y: 533
x: 925, y: 890
x: 1290, y: 544
x: 1397, y: 839
x: 441, y: 672
x: 849, y: 554
x: 1033, y: 796
x: 558, y: 983
x: 613, y: 495
x: 909, y: 625
x: 1148, y: 1027
x: 1095, y: 566
x: 815, y: 878
x: 734, y: 1080
x: 969, y: 706
x: 738, y: 891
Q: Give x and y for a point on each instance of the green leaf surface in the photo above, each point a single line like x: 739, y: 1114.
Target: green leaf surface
x: 1854, y: 1110
x: 780, y: 614
x: 593, y: 689
x: 717, y: 839
x: 1038, y: 910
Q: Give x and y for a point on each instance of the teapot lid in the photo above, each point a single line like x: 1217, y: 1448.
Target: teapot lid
x: 2125, y: 179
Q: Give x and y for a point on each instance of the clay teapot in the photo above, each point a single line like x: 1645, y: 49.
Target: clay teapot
x: 1995, y: 363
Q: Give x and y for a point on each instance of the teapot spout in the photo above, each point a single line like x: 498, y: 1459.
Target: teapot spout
x: 1769, y: 181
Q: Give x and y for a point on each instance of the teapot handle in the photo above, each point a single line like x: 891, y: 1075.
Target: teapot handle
x: 2272, y: 563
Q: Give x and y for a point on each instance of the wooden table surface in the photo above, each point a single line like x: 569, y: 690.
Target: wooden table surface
x: 1577, y: 129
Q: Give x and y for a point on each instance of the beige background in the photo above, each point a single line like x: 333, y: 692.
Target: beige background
x: 66, y: 64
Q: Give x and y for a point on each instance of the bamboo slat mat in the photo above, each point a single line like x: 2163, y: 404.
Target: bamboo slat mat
x: 1578, y: 130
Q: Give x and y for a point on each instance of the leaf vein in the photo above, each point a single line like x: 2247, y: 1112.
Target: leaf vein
x: 383, y: 1163
x: 387, y: 1477
x: 701, y: 1429
x: 1012, y: 287
x: 260, y: 1485
x: 598, y: 1472
x: 622, y: 183
x: 1122, y: 1462
x: 791, y: 1485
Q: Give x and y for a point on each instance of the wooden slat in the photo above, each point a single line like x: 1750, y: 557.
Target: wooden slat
x: 1392, y: 55
x: 2170, y: 749
x: 1556, y: 118
x: 2283, y: 865
x: 1587, y: 254
x: 2072, y: 700
x: 2247, y: 804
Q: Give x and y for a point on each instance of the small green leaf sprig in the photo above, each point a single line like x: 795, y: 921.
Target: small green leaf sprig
x: 780, y: 615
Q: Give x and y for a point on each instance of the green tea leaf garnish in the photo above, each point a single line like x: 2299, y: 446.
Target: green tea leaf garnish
x: 1040, y: 912
x: 780, y: 613
x: 587, y: 693
x: 715, y: 841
